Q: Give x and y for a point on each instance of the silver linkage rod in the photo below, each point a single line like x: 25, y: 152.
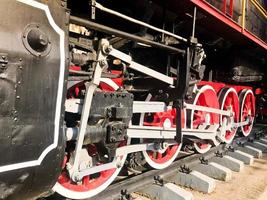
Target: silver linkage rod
x: 104, y: 9
x: 194, y: 22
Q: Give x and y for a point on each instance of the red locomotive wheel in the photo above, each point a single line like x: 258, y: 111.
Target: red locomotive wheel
x: 206, y: 96
x: 247, y: 110
x: 202, y: 146
x: 95, y: 183
x: 90, y: 185
x: 229, y: 100
x: 162, y: 158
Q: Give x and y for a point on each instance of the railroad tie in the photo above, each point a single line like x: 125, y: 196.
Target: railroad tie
x: 168, y: 191
x: 229, y: 162
x: 195, y: 180
x: 244, y: 157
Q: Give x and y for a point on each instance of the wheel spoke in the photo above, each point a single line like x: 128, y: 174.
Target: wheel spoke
x: 159, y: 155
x: 229, y: 99
x: 91, y: 184
x: 248, y: 109
x: 206, y: 97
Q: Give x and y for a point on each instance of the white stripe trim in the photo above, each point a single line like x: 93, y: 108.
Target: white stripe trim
x: 61, y: 33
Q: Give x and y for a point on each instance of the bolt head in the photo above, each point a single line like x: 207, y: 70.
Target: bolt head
x: 76, y: 177
x: 119, y: 164
x: 68, y: 166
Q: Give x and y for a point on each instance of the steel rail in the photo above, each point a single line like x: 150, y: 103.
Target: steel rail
x: 138, y: 182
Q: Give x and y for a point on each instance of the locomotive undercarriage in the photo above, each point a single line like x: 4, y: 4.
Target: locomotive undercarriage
x: 201, y: 114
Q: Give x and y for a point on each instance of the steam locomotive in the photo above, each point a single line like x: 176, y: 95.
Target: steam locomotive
x: 89, y: 89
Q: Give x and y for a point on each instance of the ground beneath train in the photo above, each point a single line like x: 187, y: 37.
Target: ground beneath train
x: 249, y: 184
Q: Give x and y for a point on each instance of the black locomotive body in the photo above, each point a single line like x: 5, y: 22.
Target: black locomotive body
x: 34, y: 53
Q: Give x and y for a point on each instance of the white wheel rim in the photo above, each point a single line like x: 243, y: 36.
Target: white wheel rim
x: 201, y: 151
x: 149, y: 161
x: 163, y: 165
x: 222, y: 105
x: 200, y: 91
x: 84, y: 195
x: 241, y: 111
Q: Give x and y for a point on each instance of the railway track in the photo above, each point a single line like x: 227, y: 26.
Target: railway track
x: 123, y: 188
x: 189, y: 170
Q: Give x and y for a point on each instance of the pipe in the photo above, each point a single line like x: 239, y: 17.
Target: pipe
x: 112, y: 31
x: 194, y: 22
x: 93, y: 134
x: 107, y: 10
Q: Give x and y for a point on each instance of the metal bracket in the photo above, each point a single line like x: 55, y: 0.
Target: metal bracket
x: 125, y: 195
x: 3, y: 62
x: 181, y: 86
x: 91, y: 87
x: 203, y: 160
x: 219, y: 154
x: 231, y: 149
x: 241, y: 144
x: 138, y: 67
x: 250, y: 139
x: 93, y: 8
x: 159, y: 180
x: 3, y: 59
x: 244, y: 123
x: 261, y: 134
x: 258, y: 135
x: 185, y: 169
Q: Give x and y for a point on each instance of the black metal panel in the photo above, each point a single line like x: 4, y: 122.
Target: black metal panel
x: 29, y: 84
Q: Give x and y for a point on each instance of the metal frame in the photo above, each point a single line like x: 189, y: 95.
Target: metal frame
x: 157, y: 132
x: 146, y: 132
x: 207, y: 109
x: 125, y: 150
x: 149, y: 106
x: 75, y: 106
x: 138, y: 67
x: 212, y: 133
x: 90, y: 88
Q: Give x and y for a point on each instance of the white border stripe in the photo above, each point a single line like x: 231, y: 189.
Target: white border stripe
x: 61, y: 33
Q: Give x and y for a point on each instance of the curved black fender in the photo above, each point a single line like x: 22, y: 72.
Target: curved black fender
x: 33, y: 63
